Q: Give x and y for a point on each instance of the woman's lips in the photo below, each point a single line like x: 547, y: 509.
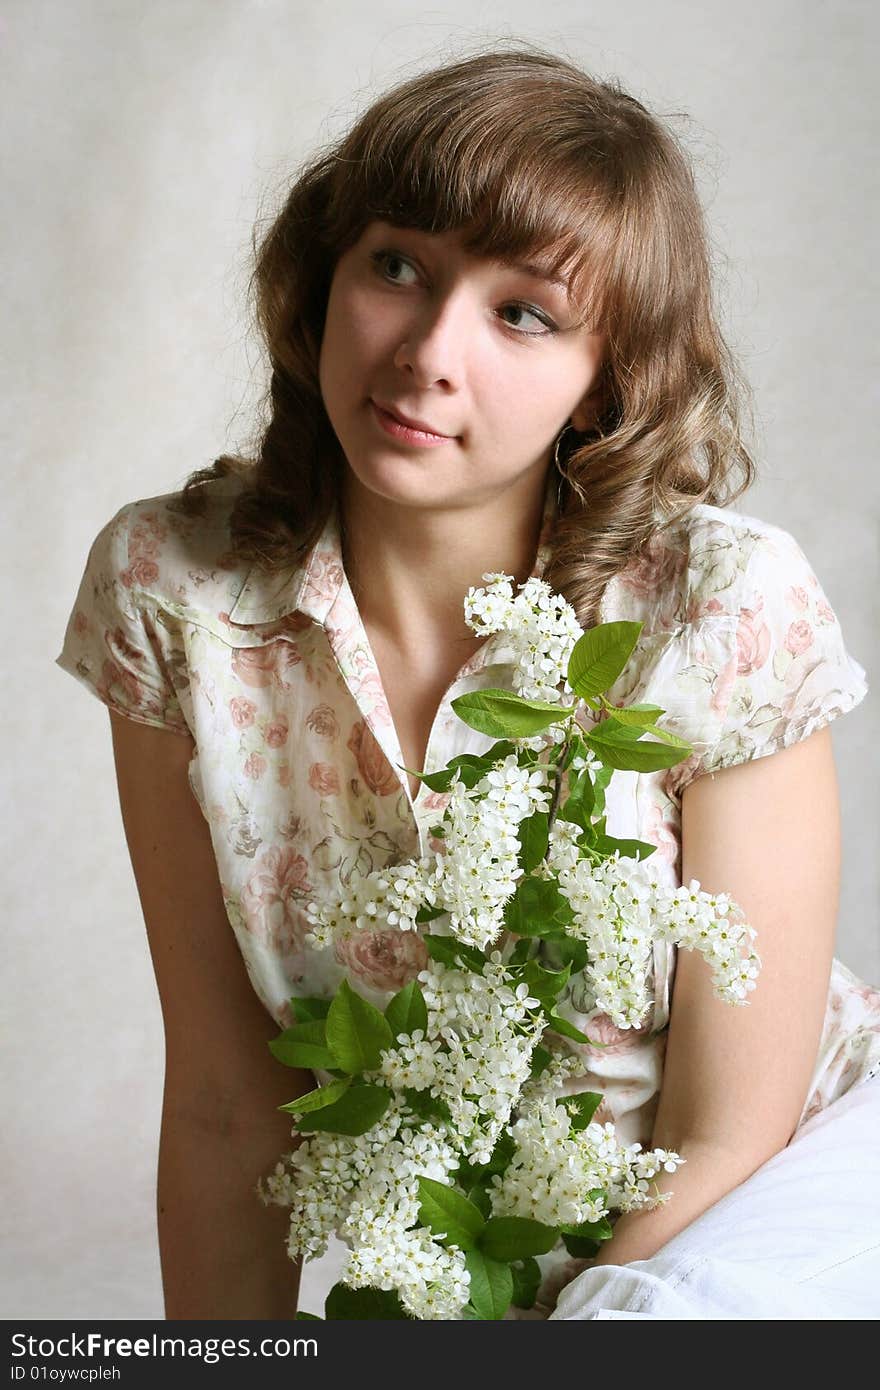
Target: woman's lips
x: 424, y: 439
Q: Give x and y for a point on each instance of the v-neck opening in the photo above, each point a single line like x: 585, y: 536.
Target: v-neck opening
x: 391, y: 746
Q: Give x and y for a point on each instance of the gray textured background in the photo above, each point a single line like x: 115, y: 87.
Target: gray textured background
x: 140, y: 141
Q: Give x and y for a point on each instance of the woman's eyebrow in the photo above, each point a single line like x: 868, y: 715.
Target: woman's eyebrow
x: 537, y: 272
x: 531, y: 268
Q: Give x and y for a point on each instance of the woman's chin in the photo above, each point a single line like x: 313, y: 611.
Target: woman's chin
x: 403, y: 482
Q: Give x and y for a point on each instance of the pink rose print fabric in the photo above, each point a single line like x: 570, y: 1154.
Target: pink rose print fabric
x: 298, y: 771
x: 384, y: 960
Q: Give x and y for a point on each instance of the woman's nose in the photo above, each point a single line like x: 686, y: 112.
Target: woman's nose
x: 433, y: 344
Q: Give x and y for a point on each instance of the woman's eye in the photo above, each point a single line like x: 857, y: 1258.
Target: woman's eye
x: 526, y: 320
x: 545, y: 326
x: 383, y: 260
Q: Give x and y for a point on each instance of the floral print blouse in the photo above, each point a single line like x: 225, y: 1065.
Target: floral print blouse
x: 298, y: 771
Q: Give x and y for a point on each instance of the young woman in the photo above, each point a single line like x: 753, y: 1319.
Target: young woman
x: 489, y: 316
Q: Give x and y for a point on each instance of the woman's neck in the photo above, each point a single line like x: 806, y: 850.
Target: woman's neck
x: 410, y: 568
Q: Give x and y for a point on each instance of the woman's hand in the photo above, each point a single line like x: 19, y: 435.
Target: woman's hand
x: 735, y: 1079
x: 223, y: 1253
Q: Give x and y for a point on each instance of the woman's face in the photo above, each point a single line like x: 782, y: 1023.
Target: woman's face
x: 487, y: 356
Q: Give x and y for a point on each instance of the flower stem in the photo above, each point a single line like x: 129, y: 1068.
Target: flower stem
x: 557, y: 786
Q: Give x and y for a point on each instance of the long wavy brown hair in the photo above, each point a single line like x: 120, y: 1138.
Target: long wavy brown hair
x: 522, y: 152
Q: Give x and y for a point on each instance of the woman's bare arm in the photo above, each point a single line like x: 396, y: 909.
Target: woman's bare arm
x: 223, y: 1253
x: 735, y: 1079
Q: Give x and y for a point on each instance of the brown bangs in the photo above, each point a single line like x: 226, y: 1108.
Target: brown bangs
x: 519, y: 189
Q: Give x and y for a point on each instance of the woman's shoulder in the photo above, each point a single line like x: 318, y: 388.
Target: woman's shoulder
x: 711, y: 561
x: 739, y: 641
x: 182, y: 562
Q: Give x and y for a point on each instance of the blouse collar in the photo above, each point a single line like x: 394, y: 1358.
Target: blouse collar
x: 313, y: 587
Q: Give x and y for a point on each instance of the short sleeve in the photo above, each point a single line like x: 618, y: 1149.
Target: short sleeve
x: 113, y: 643
x: 788, y: 672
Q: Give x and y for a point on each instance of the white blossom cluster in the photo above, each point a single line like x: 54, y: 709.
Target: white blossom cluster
x: 472, y: 880
x: 543, y: 629
x: 613, y: 909
x: 714, y: 925
x: 477, y: 875
x: 365, y: 1189
x: 621, y: 907
x: 476, y: 1052
x: 554, y: 1169
x: 550, y: 1083
x: 432, y: 1280
x: 390, y: 896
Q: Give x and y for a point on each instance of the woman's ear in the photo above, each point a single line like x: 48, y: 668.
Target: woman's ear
x: 592, y: 407
x: 585, y: 415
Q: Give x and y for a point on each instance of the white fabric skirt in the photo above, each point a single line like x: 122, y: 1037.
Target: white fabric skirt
x: 800, y: 1238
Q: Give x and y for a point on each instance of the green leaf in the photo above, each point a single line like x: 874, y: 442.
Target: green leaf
x: 582, y: 1106
x: 541, y: 1059
x: 507, y: 715
x: 359, y: 1109
x: 592, y: 1230
x: 601, y: 777
x: 437, y: 781
x: 578, y: 805
x: 562, y: 1025
x: 672, y: 739
x: 537, y: 906
x: 304, y: 1046
x: 425, y: 1105
x: 442, y: 948
x: 491, y: 1285
x: 581, y: 1247
x: 641, y: 715
x: 505, y: 1147
x: 627, y: 755
x: 498, y: 752
x: 526, y: 1282
x: 471, y: 767
x: 520, y: 953
x: 363, y: 1305
x: 450, y: 951
x: 600, y: 655
x: 448, y: 1214
x: 316, y: 1100
x: 506, y: 1238
x: 544, y: 985
x: 565, y: 950
x: 407, y: 1011
x: 576, y: 749
x: 356, y: 1031
x: 629, y: 849
x: 614, y: 730
x: 534, y: 839
x: 307, y: 1010
x: 580, y: 788
x: 481, y: 1199
x: 307, y: 1317
x: 426, y: 913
